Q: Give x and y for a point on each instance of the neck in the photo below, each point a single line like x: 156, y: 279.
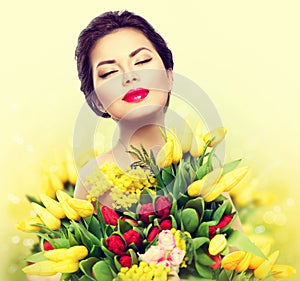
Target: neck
x: 142, y: 131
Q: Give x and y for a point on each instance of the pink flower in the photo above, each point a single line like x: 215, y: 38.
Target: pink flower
x: 166, y: 240
x: 176, y: 257
x: 153, y: 233
x: 153, y: 254
x: 165, y: 263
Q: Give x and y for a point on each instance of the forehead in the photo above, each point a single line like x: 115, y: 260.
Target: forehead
x: 118, y: 43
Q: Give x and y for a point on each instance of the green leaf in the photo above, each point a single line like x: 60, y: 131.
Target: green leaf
x: 102, y: 271
x: 190, y: 219
x: 31, y: 198
x: 199, y: 241
x: 84, y: 278
x: 239, y: 240
x: 167, y: 175
x: 203, y: 271
x: 36, y: 257
x: 87, y: 265
x: 93, y: 226
x: 228, y: 167
x: 218, y: 214
x: 203, y: 229
x: 197, y: 204
x: 202, y: 171
x: 202, y: 258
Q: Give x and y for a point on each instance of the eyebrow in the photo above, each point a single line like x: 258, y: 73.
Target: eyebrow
x: 132, y: 54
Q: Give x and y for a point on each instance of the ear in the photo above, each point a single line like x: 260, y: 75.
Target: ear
x: 170, y: 78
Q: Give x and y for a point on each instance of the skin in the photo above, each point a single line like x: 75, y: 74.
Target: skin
x: 113, y: 71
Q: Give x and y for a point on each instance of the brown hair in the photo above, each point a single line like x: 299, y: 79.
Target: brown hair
x: 103, y: 25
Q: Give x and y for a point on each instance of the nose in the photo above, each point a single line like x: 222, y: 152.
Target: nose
x: 130, y: 77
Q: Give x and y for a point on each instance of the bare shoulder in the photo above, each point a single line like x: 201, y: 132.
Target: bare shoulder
x: 80, y: 190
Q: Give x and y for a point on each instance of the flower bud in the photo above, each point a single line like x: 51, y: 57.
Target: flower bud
x: 165, y: 155
x: 244, y: 263
x: 66, y: 266
x: 197, y: 146
x: 42, y: 268
x: 215, y: 136
x: 63, y: 198
x: 282, y: 271
x: 195, y: 188
x: 46, y: 187
x: 232, y: 178
x: 48, y: 219
x: 198, y: 130
x: 186, y: 138
x: 177, y: 151
x: 82, y: 207
x: 217, y: 244
x: 26, y: 225
x: 56, y: 183
x: 74, y: 253
x: 230, y: 261
x: 52, y: 206
x: 264, y: 269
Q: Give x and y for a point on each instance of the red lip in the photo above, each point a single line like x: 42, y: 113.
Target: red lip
x: 136, y: 95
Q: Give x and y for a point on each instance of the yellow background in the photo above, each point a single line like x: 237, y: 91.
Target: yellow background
x: 243, y: 54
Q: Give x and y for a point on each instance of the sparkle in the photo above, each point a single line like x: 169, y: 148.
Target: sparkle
x: 277, y: 209
x: 290, y: 202
x: 28, y: 242
x: 260, y: 229
x: 269, y: 217
x: 29, y: 148
x: 15, y: 239
x: 13, y: 198
x: 18, y: 139
x: 14, y: 106
x: 13, y: 268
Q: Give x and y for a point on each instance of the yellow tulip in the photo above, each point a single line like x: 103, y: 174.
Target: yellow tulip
x: 84, y: 208
x: 26, y: 225
x: 195, y: 188
x: 215, y: 136
x: 63, y: 198
x: 52, y: 206
x: 230, y: 261
x: 197, y: 146
x: 71, y: 168
x: 73, y: 253
x: 55, y: 181
x: 198, y: 130
x: 48, y: 219
x: 282, y: 271
x: 165, y: 156
x: 264, y: 269
x: 257, y: 261
x: 217, y: 244
x: 185, y: 138
x: 244, y: 263
x: 177, y: 150
x: 232, y: 178
x: 66, y: 266
x: 42, y: 268
x: 46, y: 186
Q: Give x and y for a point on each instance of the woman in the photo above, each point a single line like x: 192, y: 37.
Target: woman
x: 125, y: 69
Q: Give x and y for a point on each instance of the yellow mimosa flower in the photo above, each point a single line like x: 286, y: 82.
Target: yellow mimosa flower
x: 26, y: 225
x: 230, y: 261
x: 41, y: 268
x: 52, y: 206
x: 283, y: 271
x: 215, y: 136
x: 63, y: 198
x: 165, y: 155
x: 48, y: 219
x: 217, y: 244
x: 82, y: 207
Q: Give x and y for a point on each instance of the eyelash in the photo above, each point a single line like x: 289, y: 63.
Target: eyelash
x: 113, y: 71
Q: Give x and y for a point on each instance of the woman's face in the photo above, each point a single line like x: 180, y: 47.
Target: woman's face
x: 129, y: 76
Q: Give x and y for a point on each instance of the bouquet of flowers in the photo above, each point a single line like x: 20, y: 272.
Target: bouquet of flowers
x: 170, y: 220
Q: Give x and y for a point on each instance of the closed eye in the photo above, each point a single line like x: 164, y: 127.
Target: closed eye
x: 143, y: 61
x: 107, y: 74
